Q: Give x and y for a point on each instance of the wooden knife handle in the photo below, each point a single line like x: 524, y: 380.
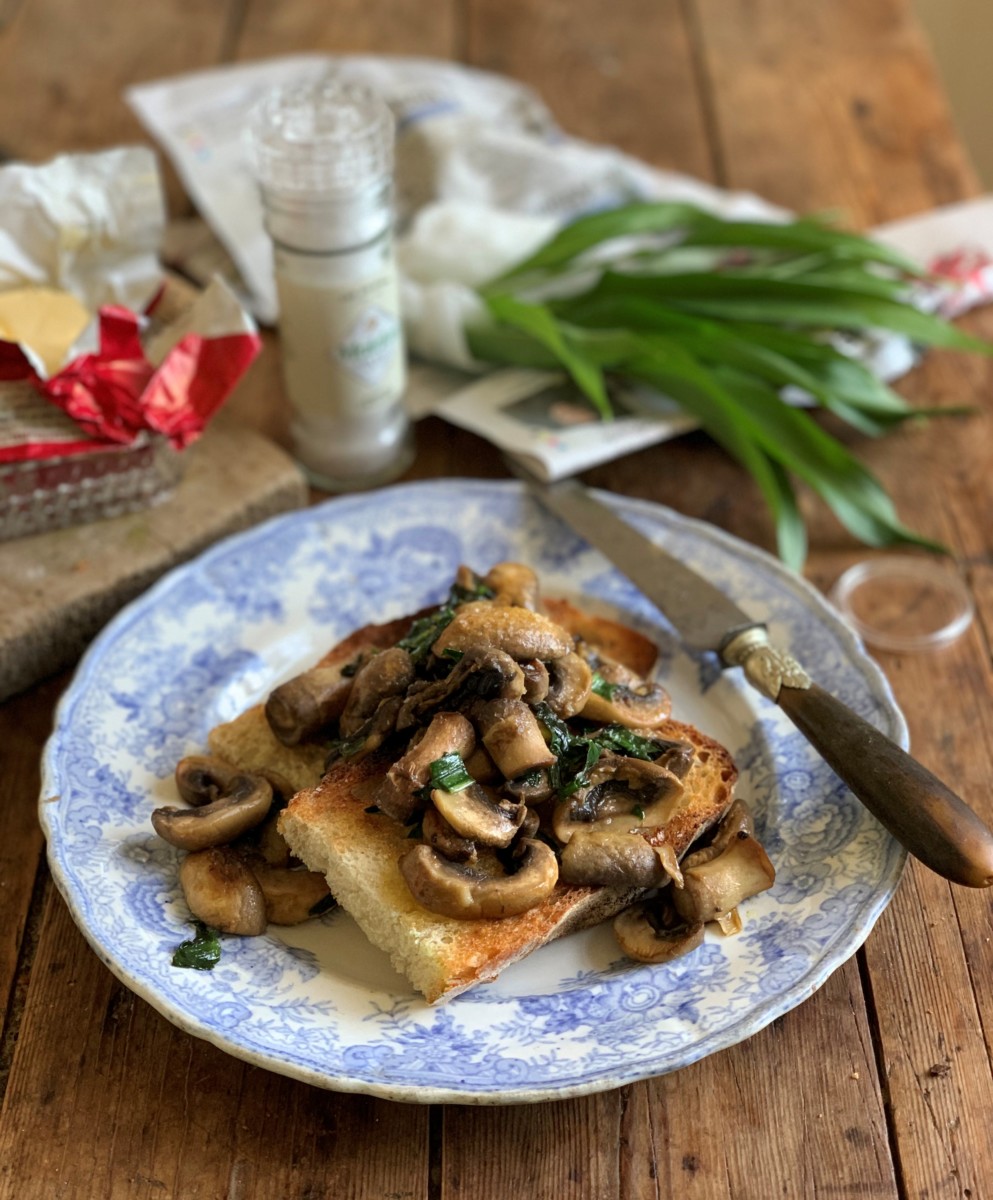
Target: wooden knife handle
x: 915, y: 806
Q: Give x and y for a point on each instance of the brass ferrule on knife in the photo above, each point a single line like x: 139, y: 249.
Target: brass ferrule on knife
x: 766, y: 667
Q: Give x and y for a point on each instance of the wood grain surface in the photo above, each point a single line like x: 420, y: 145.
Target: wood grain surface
x: 880, y: 1084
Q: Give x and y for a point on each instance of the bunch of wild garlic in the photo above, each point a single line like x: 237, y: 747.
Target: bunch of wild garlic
x: 722, y: 316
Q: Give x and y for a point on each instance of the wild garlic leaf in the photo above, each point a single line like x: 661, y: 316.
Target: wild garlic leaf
x: 202, y: 952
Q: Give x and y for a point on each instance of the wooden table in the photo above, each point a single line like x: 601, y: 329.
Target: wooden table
x: 881, y: 1083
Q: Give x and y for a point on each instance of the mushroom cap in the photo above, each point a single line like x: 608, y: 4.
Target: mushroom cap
x: 201, y: 778
x: 611, y: 859
x: 522, y: 634
x: 222, y: 891
x: 485, y: 673
x: 646, y: 938
x: 307, y: 703
x: 513, y: 583
x: 448, y: 733
x: 623, y: 794
x: 532, y: 790
x: 480, y: 815
x: 642, y: 707
x: 512, y: 736
x: 471, y: 892
x: 243, y: 804
x: 437, y: 832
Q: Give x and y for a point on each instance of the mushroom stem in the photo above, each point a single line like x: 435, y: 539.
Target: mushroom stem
x: 513, y: 737
x: 307, y: 703
x: 714, y: 886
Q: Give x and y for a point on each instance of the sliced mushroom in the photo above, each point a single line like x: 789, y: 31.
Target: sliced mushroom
x: 676, y: 757
x: 307, y: 703
x: 469, y: 892
x: 611, y: 859
x: 512, y: 736
x: 370, y: 736
x: 222, y: 891
x: 651, y: 932
x: 480, y: 815
x: 623, y: 794
x: 202, y: 778
x: 483, y: 673
x: 382, y: 677
x: 717, y: 879
x: 448, y: 733
x: 533, y: 788
x: 481, y: 766
x: 528, y: 830
x: 269, y: 843
x: 522, y: 634
x: 641, y: 707
x: 437, y: 832
x: 244, y: 803
x: 535, y: 681
x: 609, y: 669
x: 736, y: 821
x: 513, y: 583
x: 290, y: 894
x: 570, y: 680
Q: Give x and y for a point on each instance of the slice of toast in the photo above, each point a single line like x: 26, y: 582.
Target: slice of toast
x: 328, y: 826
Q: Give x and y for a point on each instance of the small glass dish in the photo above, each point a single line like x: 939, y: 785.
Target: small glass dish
x: 904, y: 602
x: 39, y: 495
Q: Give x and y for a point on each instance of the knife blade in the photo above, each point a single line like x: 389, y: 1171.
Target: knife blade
x: 921, y: 812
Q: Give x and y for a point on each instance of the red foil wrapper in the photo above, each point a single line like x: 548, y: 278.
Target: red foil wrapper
x: 115, y: 394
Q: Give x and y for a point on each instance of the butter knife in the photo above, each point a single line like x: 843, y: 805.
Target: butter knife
x: 923, y: 814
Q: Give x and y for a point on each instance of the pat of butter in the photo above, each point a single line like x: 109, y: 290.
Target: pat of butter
x: 46, y: 320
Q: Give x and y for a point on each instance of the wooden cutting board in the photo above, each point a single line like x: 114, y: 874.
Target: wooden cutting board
x: 58, y: 589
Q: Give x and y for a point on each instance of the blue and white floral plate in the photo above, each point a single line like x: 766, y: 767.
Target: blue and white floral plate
x: 317, y: 1002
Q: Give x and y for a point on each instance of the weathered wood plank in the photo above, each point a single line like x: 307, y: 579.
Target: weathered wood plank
x: 753, y: 1121
x: 563, y: 1150
x: 118, y: 1103
x: 63, y: 70
x: 274, y: 27
x: 857, y: 83
x: 24, y: 726
x: 621, y: 73
x: 831, y: 107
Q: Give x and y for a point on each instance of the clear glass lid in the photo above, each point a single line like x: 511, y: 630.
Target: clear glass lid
x: 903, y: 602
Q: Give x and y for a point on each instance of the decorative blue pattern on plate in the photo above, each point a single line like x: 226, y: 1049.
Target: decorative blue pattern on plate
x: 316, y: 1001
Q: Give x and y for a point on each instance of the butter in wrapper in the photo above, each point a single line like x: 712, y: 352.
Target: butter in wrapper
x: 99, y: 432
